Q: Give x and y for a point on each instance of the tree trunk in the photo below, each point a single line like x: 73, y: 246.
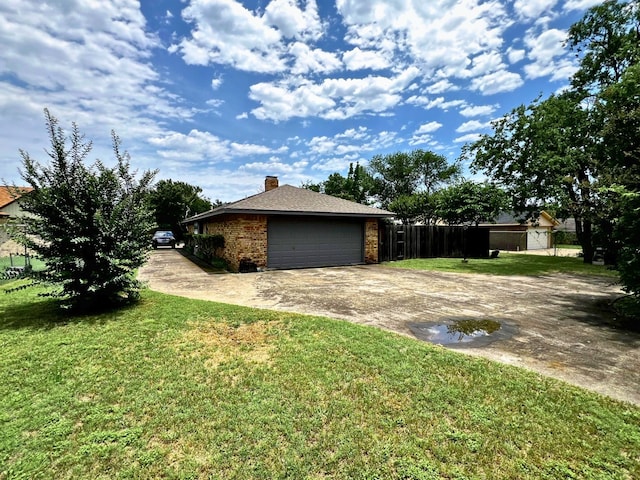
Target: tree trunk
x: 584, y: 234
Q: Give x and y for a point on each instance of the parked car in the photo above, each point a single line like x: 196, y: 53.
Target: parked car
x: 163, y: 238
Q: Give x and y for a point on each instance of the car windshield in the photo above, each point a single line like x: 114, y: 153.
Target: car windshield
x: 163, y: 234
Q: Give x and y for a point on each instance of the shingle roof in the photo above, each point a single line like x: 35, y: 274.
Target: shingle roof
x: 510, y: 218
x: 8, y: 194
x: 289, y: 200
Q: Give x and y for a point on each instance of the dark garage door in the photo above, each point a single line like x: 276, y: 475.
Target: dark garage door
x: 301, y: 242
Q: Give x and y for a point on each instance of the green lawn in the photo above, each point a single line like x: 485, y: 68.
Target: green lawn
x: 508, y: 264
x: 177, y: 388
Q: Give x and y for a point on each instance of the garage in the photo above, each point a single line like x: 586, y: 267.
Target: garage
x: 289, y: 227
x: 538, y: 238
x: 314, y: 242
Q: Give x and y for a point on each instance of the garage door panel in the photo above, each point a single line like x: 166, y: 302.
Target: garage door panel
x: 314, y: 243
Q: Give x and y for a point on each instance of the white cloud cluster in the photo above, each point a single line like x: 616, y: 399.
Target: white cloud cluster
x: 199, y: 146
x: 335, y: 153
x: 87, y: 62
x: 547, y: 53
x: 333, y: 98
x: 433, y: 42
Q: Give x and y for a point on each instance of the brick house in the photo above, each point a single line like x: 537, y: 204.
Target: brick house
x: 291, y: 227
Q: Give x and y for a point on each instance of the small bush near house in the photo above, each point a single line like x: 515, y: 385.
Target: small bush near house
x: 205, y: 247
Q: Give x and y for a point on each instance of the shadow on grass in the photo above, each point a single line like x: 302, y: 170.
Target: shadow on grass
x: 43, y: 313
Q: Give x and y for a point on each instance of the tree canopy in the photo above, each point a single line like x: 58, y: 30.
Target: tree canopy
x: 173, y: 201
x: 403, y: 174
x: 91, y: 223
x: 471, y: 203
x: 358, y: 186
x: 577, y: 152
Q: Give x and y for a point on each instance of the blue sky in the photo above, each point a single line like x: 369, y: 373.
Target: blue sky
x: 220, y: 93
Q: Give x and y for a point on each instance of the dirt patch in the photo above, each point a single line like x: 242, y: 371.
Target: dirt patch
x: 564, y: 327
x: 219, y: 342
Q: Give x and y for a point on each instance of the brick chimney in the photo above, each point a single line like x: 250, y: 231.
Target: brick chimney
x: 270, y: 183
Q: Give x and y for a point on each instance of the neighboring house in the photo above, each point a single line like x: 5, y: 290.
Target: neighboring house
x: 290, y: 227
x: 510, y: 233
x: 10, y: 209
x: 10, y: 202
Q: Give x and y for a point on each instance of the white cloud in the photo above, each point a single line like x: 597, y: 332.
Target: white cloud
x: 215, y: 102
x: 496, y: 82
x: 515, y: 55
x: 216, y: 82
x: 439, y: 34
x: 548, y: 55
x: 532, y: 9
x: 472, y: 125
x: 86, y: 62
x: 580, y: 4
x: 227, y: 33
x: 350, y: 143
x: 357, y: 59
x: 294, y: 22
x: 312, y: 60
x: 471, y: 137
x: 428, y: 127
x: 478, y: 110
x: 333, y: 98
x: 441, y: 87
x: 197, y: 146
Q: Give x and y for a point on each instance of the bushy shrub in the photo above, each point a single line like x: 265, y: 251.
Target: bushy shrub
x: 207, y: 247
x: 90, y: 224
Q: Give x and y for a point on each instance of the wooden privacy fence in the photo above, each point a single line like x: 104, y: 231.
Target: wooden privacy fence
x: 399, y: 242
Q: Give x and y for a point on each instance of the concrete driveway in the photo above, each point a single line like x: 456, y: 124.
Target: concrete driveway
x: 559, y: 325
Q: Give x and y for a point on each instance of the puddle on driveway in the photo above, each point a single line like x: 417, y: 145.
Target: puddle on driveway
x: 463, y: 332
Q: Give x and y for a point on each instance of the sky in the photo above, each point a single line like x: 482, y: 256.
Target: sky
x: 221, y: 93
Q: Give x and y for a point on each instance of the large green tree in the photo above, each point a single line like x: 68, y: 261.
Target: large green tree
x: 173, y: 201
x: 470, y: 203
x: 403, y: 174
x: 567, y: 151
x: 90, y: 223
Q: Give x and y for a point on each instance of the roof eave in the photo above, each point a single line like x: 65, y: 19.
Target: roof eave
x: 305, y: 213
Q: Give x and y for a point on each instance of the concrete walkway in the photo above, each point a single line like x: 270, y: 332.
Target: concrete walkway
x: 562, y: 324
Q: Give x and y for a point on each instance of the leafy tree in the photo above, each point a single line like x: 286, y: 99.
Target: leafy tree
x: 172, y: 202
x: 434, y: 170
x: 608, y: 37
x: 628, y: 235
x: 418, y: 207
x: 544, y: 154
x: 471, y: 203
x: 395, y: 175
x: 403, y: 174
x: 91, y: 223
x: 357, y: 186
x: 568, y: 150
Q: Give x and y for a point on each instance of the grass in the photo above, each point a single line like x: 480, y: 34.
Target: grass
x: 508, y: 264
x: 19, y: 261
x: 569, y: 246
x: 177, y: 388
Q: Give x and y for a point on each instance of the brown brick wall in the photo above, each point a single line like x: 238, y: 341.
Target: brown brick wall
x: 371, y: 241
x: 245, y: 237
